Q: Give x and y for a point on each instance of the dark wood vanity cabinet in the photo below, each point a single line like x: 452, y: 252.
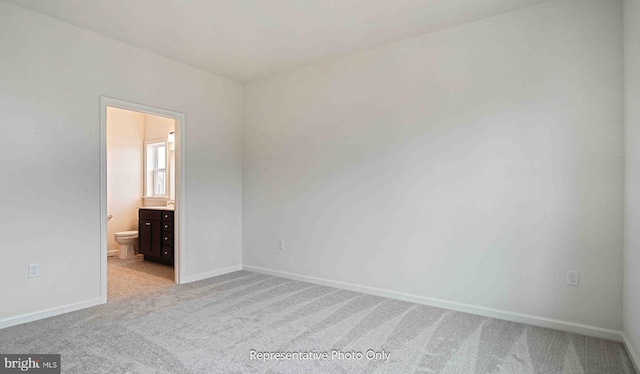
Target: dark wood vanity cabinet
x: 155, y: 235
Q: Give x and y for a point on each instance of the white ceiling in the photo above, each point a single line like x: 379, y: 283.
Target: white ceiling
x: 249, y: 39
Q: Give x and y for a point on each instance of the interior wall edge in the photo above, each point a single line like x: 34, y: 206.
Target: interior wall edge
x: 631, y: 254
x: 567, y: 326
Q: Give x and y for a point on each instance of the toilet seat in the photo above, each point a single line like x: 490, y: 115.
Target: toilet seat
x: 126, y: 234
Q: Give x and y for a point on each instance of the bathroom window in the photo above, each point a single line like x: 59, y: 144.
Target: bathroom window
x: 156, y: 169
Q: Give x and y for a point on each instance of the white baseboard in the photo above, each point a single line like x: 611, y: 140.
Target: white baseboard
x: 445, y: 304
x: 12, y: 321
x: 209, y: 274
x: 633, y: 355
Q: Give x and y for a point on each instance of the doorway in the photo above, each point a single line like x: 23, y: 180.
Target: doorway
x: 160, y: 192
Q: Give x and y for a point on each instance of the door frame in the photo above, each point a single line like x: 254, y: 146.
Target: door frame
x: 179, y: 215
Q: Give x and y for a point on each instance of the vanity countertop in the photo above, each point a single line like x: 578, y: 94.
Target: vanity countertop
x: 171, y: 208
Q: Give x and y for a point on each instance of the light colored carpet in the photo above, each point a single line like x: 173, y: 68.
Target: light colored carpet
x: 212, y: 326
x: 136, y: 276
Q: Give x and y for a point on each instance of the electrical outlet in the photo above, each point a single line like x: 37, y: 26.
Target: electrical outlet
x: 34, y: 270
x: 280, y: 244
x: 573, y: 278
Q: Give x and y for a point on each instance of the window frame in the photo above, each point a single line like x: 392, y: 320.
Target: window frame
x: 150, y: 173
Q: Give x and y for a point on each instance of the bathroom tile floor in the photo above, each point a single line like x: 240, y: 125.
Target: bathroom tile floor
x: 136, y: 276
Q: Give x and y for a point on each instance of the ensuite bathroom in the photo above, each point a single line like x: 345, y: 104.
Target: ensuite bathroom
x: 141, y: 190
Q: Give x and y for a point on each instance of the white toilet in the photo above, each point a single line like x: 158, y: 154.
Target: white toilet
x: 127, y: 241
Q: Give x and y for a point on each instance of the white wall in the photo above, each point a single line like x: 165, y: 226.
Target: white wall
x: 52, y: 75
x: 476, y: 165
x: 632, y: 147
x: 125, y: 139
